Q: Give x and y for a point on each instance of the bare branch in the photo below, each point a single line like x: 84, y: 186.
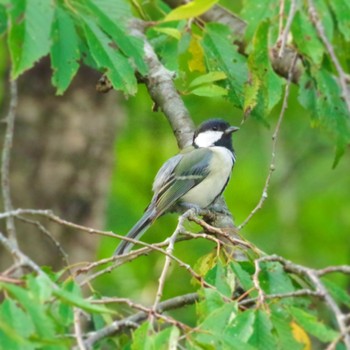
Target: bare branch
x: 134, y: 320
x: 5, y: 162
x: 274, y: 143
x: 77, y: 329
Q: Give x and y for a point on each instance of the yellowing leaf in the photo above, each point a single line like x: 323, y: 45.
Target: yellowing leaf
x: 196, y: 63
x: 192, y: 9
x: 173, y: 32
x: 300, y: 335
x: 209, y: 91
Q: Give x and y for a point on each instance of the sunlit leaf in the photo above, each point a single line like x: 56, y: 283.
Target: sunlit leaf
x: 209, y: 90
x: 173, y: 32
x: 192, y: 9
x: 210, y: 77
x: 29, y: 33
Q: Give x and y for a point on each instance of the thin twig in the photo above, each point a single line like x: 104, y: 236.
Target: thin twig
x: 274, y: 143
x: 322, y: 35
x: 77, y: 329
x: 282, y: 40
x: 5, y: 162
x: 331, y: 269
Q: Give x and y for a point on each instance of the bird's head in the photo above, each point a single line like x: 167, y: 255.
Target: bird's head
x: 214, y: 132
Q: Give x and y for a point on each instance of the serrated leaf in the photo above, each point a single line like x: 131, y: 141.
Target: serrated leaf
x: 301, y: 336
x: 142, y: 337
x: 206, y: 263
x: 65, y: 51
x: 262, y: 76
x: 119, y: 70
x: 210, y: 77
x: 262, y: 337
x: 306, y: 38
x: 29, y: 34
x: 209, y: 91
x: 325, y: 16
x: 313, y: 326
x: 210, y: 301
x: 341, y: 9
x: 130, y: 45
x: 192, y: 9
x: 221, y: 55
x: 173, y: 32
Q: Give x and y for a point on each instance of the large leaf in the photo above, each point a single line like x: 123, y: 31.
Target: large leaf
x: 30, y: 32
x: 65, y: 52
x: 119, y: 70
x: 192, y: 9
x: 262, y: 76
x: 221, y: 55
x: 305, y: 37
x: 127, y: 43
x: 220, y: 277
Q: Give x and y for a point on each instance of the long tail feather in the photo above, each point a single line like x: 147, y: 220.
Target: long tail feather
x: 136, y: 232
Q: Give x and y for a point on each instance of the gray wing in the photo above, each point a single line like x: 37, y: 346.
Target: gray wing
x: 165, y: 172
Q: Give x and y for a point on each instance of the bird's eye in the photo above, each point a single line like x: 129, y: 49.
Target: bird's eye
x: 215, y: 128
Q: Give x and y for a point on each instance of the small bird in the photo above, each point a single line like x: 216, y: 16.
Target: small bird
x: 194, y: 178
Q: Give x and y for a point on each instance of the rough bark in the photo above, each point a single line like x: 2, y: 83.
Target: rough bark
x: 62, y: 159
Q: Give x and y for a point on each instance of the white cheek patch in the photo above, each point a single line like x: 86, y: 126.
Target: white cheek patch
x: 207, y: 138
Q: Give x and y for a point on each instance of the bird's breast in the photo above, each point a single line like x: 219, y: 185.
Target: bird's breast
x: 211, y: 187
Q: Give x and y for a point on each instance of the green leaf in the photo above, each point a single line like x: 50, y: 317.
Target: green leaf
x: 142, y: 337
x: 254, y: 12
x: 210, y: 301
x: 3, y: 20
x: 192, y: 9
x: 313, y: 326
x: 167, y: 339
x: 173, y: 32
x: 341, y: 9
x: 262, y: 76
x: 325, y: 17
x: 219, y: 277
x: 262, y: 337
x: 43, y: 324
x: 241, y: 271
x: 119, y: 70
x: 338, y: 293
x: 208, y: 78
x: 282, y: 324
x: 40, y: 287
x: 72, y: 295
x: 321, y: 94
x: 242, y: 325
x: 65, y: 51
x: 221, y: 55
x: 15, y: 327
x: 209, y: 91
x: 126, y: 42
x: 273, y: 279
x: 30, y: 31
x: 306, y: 39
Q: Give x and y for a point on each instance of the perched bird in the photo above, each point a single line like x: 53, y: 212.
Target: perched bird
x: 193, y: 178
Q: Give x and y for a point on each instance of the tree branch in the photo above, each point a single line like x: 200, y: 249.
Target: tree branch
x: 5, y: 163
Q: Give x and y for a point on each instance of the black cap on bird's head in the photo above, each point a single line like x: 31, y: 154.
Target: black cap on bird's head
x: 214, y: 132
